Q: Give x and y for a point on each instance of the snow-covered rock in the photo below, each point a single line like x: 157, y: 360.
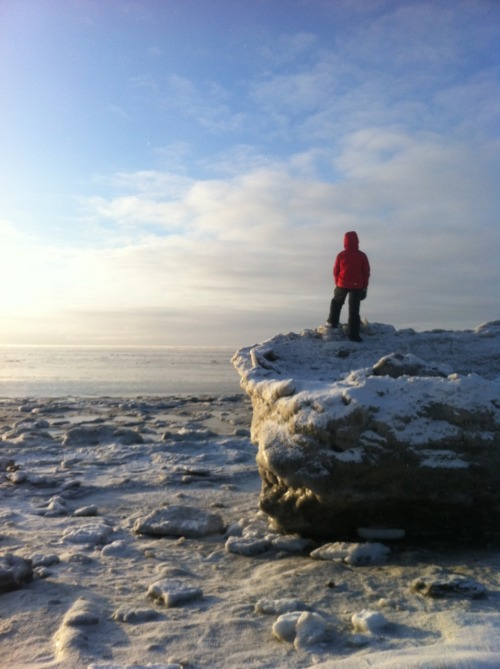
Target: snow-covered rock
x: 133, y: 615
x: 91, y: 533
x: 302, y: 628
x: 71, y: 640
x: 173, y: 592
x: 181, y: 521
x: 15, y: 571
x: 444, y: 585
x: 353, y: 554
x: 44, y: 559
x: 368, y: 622
x: 118, y: 549
x: 399, y: 432
x: 247, y: 546
x: 82, y: 435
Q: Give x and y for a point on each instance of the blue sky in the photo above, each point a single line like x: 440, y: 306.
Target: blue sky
x: 182, y: 172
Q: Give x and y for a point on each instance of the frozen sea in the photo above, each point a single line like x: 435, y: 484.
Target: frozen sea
x: 55, y: 371
x: 130, y: 521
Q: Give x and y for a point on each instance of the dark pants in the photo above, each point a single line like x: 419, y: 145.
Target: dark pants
x: 339, y: 297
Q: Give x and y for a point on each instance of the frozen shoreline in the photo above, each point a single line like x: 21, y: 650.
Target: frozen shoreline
x: 74, y: 482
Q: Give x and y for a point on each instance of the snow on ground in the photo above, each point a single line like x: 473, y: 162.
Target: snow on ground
x: 140, y: 519
x: 326, y: 355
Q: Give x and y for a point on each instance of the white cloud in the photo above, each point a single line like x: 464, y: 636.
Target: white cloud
x: 136, y: 210
x: 259, y: 247
x: 268, y: 238
x: 423, y: 34
x: 473, y: 105
x: 163, y: 184
x: 409, y: 66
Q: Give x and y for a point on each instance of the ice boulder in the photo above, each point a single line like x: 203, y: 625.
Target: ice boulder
x: 397, y: 435
x: 15, y: 572
x: 179, y: 521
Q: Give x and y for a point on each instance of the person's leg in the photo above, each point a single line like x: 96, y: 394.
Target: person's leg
x: 339, y: 295
x: 354, y: 324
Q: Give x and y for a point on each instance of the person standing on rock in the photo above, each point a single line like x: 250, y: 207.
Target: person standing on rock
x: 351, y: 273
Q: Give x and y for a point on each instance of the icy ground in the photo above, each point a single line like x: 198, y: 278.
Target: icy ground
x: 141, y: 521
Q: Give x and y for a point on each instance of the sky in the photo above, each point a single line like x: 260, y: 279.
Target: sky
x: 182, y: 172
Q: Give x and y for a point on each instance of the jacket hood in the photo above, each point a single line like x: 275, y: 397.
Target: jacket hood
x: 351, y: 240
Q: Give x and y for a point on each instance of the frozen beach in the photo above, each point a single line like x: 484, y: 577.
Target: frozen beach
x: 133, y: 527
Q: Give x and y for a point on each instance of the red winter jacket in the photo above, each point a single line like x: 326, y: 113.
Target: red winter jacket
x: 351, y: 269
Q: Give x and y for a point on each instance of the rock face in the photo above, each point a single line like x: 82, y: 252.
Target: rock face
x: 399, y: 432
